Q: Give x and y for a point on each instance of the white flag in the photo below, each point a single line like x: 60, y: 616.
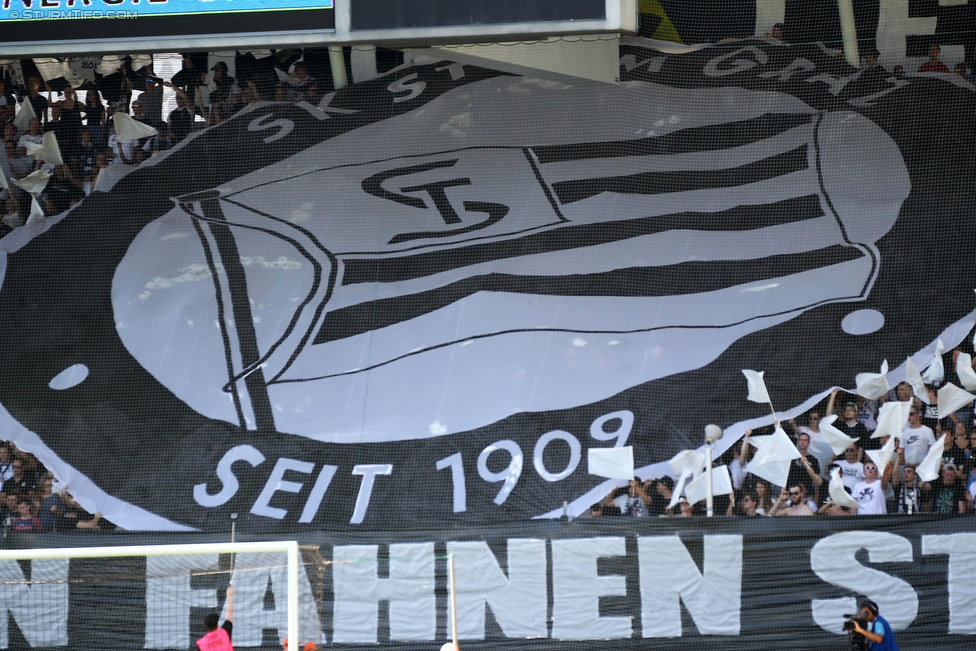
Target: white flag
x: 697, y: 490
x: 929, y: 469
x: 936, y: 371
x: 757, y: 386
x: 777, y: 447
x: 892, y: 419
x: 964, y: 369
x: 914, y: 378
x: 773, y: 457
x: 24, y: 116
x: 47, y: 150
x: 873, y: 385
x: 612, y: 463
x: 36, y: 212
x: 35, y: 182
x: 836, y: 439
x: 775, y: 472
x: 838, y: 495
x: 883, y: 456
x: 128, y: 129
x: 687, y: 459
x: 952, y: 399
x: 680, y: 487
x: 285, y: 77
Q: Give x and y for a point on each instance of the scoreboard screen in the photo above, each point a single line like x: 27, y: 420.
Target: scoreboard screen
x: 71, y: 21
x: 43, y: 28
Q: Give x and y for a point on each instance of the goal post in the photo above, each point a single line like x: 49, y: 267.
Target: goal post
x: 289, y: 548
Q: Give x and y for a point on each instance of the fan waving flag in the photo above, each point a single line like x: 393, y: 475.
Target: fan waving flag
x: 837, y: 493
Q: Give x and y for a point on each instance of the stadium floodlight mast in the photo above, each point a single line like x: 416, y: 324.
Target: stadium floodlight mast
x: 289, y: 547
x: 712, y: 434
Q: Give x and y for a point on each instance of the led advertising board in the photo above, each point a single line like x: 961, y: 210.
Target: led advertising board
x: 64, y: 22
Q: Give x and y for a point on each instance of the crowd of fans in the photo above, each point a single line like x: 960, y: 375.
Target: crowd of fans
x: 778, y: 35
x: 32, y: 500
x: 85, y: 129
x: 893, y: 489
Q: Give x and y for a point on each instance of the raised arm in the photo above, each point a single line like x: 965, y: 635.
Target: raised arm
x: 778, y: 504
x: 230, y: 604
x: 829, y: 411
x: 814, y: 477
x: 179, y: 91
x: 745, y: 448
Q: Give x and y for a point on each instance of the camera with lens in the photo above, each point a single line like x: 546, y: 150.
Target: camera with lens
x: 857, y: 641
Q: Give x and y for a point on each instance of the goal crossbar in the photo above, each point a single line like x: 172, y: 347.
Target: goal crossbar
x: 290, y: 547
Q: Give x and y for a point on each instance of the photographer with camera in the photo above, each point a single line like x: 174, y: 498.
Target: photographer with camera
x: 878, y: 631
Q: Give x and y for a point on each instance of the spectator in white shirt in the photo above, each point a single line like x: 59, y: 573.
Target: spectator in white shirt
x: 33, y: 133
x: 851, y: 470
x: 870, y: 492
x: 916, y: 439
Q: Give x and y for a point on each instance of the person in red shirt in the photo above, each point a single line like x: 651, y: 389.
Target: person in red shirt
x: 25, y: 520
x: 218, y: 639
x: 933, y: 64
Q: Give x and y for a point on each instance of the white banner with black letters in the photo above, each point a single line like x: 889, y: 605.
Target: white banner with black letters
x: 722, y: 584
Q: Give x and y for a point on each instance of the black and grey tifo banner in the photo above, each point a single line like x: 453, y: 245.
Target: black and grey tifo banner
x: 722, y: 584
x: 425, y: 300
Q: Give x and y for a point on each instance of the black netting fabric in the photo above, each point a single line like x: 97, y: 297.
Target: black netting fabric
x: 484, y: 305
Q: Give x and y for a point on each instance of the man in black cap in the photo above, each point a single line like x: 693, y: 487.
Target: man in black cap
x: 224, y: 84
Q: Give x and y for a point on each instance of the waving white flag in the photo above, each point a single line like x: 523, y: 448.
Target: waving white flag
x: 24, y: 116
x: 964, y: 369
x: 914, y: 378
x: 836, y: 439
x: 612, y: 463
x: 47, y: 150
x: 680, y: 487
x: 757, y: 386
x: 127, y: 128
x: 883, y: 456
x: 873, y: 385
x: 936, y: 371
x: 697, y: 490
x: 892, y: 419
x: 687, y: 460
x: 772, y: 460
x: 929, y: 469
x: 952, y: 399
x: 838, y: 495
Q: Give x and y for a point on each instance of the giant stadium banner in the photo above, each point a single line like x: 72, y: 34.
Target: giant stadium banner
x: 425, y: 299
x: 611, y: 583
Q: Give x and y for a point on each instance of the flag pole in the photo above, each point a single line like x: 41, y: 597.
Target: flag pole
x: 712, y: 434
